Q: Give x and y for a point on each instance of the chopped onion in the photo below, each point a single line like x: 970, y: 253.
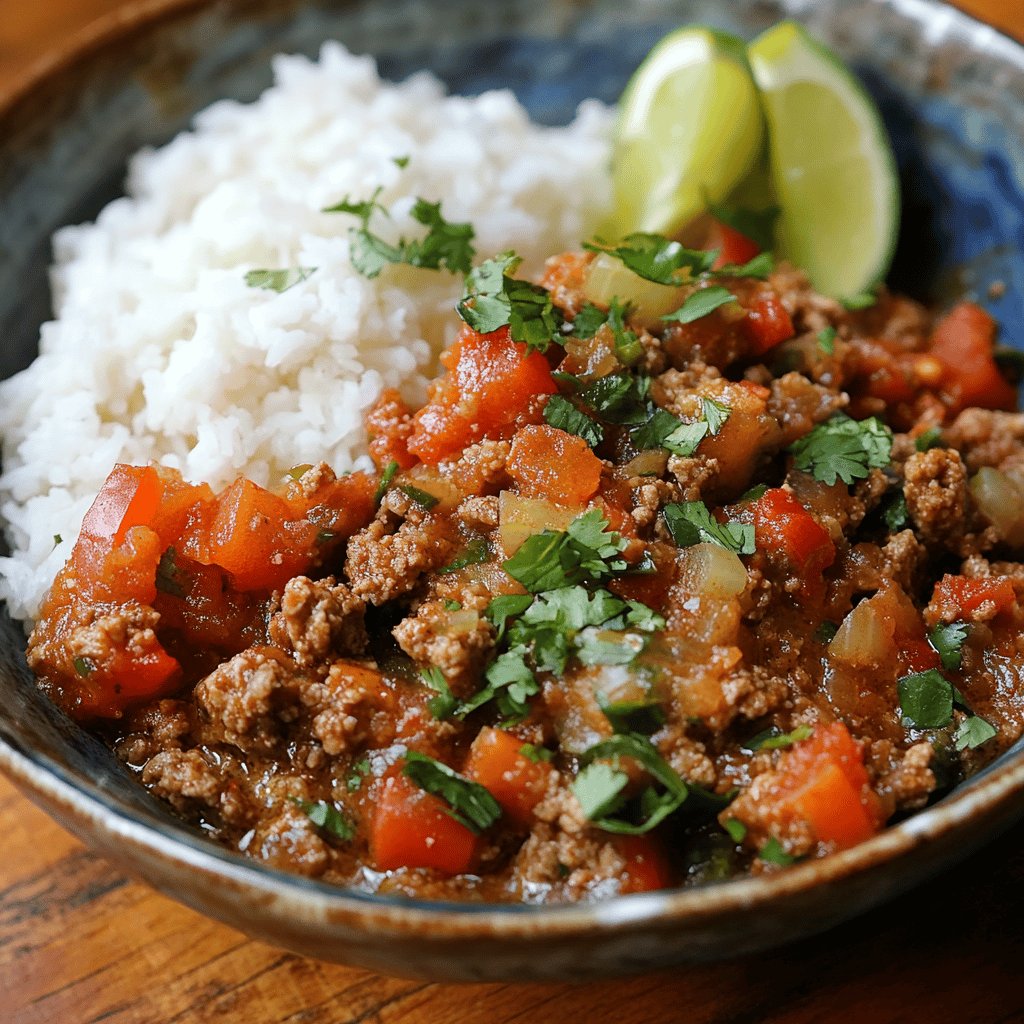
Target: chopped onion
x: 520, y: 518
x: 608, y: 278
x: 708, y: 569
x: 866, y: 636
x: 1001, y: 502
x: 648, y: 463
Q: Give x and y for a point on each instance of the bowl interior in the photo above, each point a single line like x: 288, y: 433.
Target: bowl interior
x: 951, y: 92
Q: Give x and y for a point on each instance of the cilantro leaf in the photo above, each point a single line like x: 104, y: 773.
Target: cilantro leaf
x: 948, y: 641
x: 973, y: 732
x: 494, y: 299
x: 896, y: 514
x: 774, y: 739
x: 445, y: 703
x: 602, y: 798
x: 700, y: 303
x: 475, y: 552
x: 690, y: 522
x: 619, y: 397
x: 862, y: 300
x: 468, y: 802
x: 638, y: 716
x: 535, y: 754
x: 663, y: 430
x: 510, y: 684
x: 715, y: 414
x: 760, y: 266
x: 736, y: 829
x: 926, y: 700
x: 588, y: 321
x: 278, y: 280
x: 627, y: 345
x: 844, y: 449
x: 931, y: 438
x: 773, y: 852
x: 827, y: 340
x: 326, y: 816
x: 505, y: 607
x: 561, y: 413
x: 656, y: 258
x: 608, y: 647
x: 359, y: 770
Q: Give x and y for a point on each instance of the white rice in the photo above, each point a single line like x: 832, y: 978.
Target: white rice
x: 160, y: 353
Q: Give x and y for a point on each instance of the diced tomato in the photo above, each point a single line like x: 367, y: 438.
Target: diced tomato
x: 767, y: 323
x: 823, y: 781
x: 492, y: 384
x: 917, y: 655
x: 129, y: 497
x: 733, y: 246
x: 412, y: 829
x: 339, y: 507
x: 549, y: 463
x: 646, y: 866
x: 968, y: 595
x: 963, y: 340
x: 254, y: 536
x: 781, y: 523
x: 497, y: 762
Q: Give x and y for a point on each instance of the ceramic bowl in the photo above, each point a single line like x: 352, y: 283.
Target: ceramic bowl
x: 952, y: 93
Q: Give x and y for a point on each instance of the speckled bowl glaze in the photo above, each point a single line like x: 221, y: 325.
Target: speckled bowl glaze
x: 952, y: 93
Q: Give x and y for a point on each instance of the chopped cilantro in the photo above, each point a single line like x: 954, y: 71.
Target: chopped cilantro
x: 384, y: 482
x: 825, y: 633
x: 690, y: 523
x: 657, y: 258
x: 588, y: 321
x: 627, y: 345
x: 561, y: 413
x: 715, y: 414
x: 844, y: 449
x: 169, y: 578
x: 278, y: 280
x: 475, y: 552
x: 326, y: 816
x: 422, y: 498
x: 638, y: 716
x: 896, y: 514
x: 774, y: 739
x: 700, y: 304
x: 298, y: 472
x: 863, y: 300
x: 400, y: 162
x: 446, y: 245
x: 948, y: 641
x: 494, y: 299
x: 757, y: 225
x: 760, y: 267
x: 453, y: 606
x: 506, y: 607
x: 754, y: 494
x: 468, y: 802
x: 931, y: 438
x: 84, y: 667
x: 586, y: 551
x: 827, y: 340
x: 510, y: 684
x: 663, y: 430
x: 773, y: 852
x: 57, y: 540
x: 620, y: 398
x: 608, y: 647
x: 444, y: 703
x: 535, y: 754
x: 736, y: 829
x: 599, y: 786
x: 359, y: 770
x: 973, y: 732
x: 926, y: 700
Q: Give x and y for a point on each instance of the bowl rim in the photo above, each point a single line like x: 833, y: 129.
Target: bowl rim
x: 46, y: 782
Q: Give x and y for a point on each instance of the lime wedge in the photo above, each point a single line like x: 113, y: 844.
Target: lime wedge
x: 830, y: 162
x: 690, y: 129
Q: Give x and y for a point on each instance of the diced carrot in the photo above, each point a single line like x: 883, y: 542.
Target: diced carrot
x: 824, y: 782
x: 968, y: 595
x: 492, y: 383
x: 338, y: 508
x: 733, y: 246
x: 497, y: 762
x: 412, y: 829
x: 963, y: 340
x: 782, y: 523
x: 646, y: 866
x: 549, y: 463
x: 767, y: 323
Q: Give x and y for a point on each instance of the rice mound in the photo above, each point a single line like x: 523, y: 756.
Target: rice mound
x: 159, y: 351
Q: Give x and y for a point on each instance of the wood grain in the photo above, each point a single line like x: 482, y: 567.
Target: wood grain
x: 80, y: 943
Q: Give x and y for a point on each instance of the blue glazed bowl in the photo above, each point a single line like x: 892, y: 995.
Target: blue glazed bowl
x: 952, y: 94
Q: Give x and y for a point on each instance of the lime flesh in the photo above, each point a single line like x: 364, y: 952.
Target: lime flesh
x: 690, y: 129
x: 831, y: 166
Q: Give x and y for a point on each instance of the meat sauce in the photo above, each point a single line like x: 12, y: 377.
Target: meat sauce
x: 652, y: 603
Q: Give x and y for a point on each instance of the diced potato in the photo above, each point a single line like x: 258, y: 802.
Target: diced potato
x: 1001, y: 501
x: 608, y: 278
x: 520, y: 518
x: 708, y: 569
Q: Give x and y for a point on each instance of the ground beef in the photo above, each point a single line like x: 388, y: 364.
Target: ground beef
x: 318, y: 619
x: 935, y: 488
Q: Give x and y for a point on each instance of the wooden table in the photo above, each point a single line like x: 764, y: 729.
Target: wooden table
x: 81, y: 943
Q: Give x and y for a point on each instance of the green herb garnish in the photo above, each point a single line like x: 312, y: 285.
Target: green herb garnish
x: 844, y: 449
x: 926, y: 700
x: 775, y: 739
x: 422, y: 498
x: 948, y: 641
x: 84, y: 667
x: 715, y: 414
x: 973, y: 732
x: 757, y: 225
x: 863, y: 300
x: 278, y: 280
x: 535, y: 754
x: 475, y: 552
x: 468, y: 802
x: 561, y: 413
x: 736, y: 829
x: 700, y: 304
x: 657, y: 258
x: 445, y: 703
x: 690, y: 522
x: 326, y: 816
x: 773, y: 852
x: 827, y: 340
x: 931, y: 438
x: 896, y: 514
x: 359, y: 770
x: 634, y: 716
